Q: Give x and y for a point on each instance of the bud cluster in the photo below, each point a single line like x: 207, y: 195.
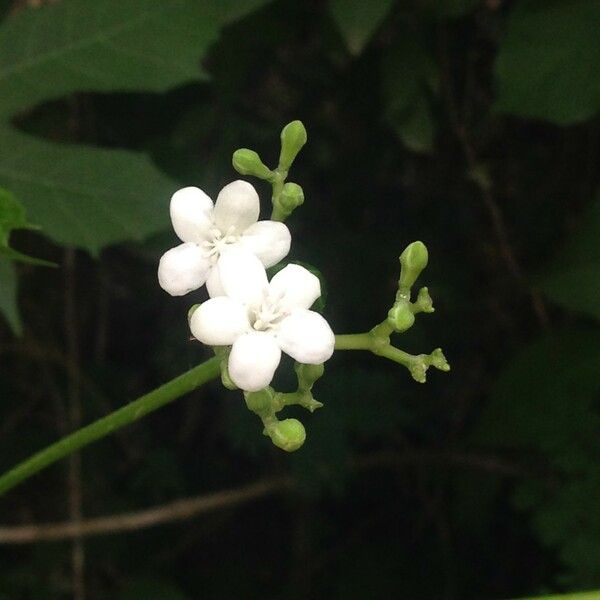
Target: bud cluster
x: 286, y: 196
x: 289, y: 434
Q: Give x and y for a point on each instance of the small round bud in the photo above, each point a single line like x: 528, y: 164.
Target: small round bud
x: 401, y: 317
x: 289, y: 434
x: 260, y: 402
x: 293, y: 137
x: 412, y: 261
x: 248, y: 162
x: 292, y: 196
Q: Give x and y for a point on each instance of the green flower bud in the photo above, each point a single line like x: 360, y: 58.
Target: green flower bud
x: 400, y: 316
x: 424, y: 303
x: 292, y: 196
x: 293, y: 137
x: 289, y: 434
x: 438, y: 360
x: 260, y: 402
x: 248, y: 162
x: 412, y: 261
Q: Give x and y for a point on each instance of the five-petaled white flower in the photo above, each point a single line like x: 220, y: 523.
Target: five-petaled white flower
x: 260, y: 319
x: 206, y: 230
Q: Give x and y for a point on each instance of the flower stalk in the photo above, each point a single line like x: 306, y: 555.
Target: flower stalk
x: 129, y: 413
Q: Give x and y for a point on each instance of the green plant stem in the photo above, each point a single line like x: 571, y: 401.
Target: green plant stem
x: 375, y: 342
x: 120, y: 418
x: 277, y: 182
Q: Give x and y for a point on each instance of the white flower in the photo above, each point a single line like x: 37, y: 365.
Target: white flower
x: 261, y: 319
x: 206, y: 230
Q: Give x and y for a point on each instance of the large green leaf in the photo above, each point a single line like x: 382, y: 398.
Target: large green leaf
x: 546, y: 401
x: 12, y: 216
x: 573, y: 278
x: 82, y: 196
x: 107, y: 45
x: 547, y: 67
x: 8, y: 295
x: 358, y: 20
x: 410, y: 76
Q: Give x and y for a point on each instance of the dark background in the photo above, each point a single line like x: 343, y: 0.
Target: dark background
x: 470, y: 125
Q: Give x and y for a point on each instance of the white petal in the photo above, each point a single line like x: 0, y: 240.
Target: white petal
x: 213, y: 284
x: 306, y: 336
x: 253, y: 360
x: 219, y: 321
x: 237, y: 207
x: 269, y: 240
x: 183, y: 269
x: 191, y: 214
x: 243, y: 276
x: 297, y: 286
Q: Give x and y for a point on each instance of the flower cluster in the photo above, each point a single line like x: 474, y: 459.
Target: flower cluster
x: 225, y: 247
x: 250, y: 321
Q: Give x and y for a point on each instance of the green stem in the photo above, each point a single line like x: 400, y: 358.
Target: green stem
x: 102, y: 427
x: 277, y: 182
x: 354, y: 341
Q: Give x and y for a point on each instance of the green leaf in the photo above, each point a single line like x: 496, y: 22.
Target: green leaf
x: 547, y: 67
x: 78, y: 45
x: 85, y: 197
x: 545, y: 395
x: 410, y: 76
x: 415, y: 127
x: 358, y: 20
x: 12, y: 216
x: 573, y: 278
x: 8, y: 295
x: 545, y: 406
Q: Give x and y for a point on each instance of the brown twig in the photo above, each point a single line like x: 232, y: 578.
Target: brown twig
x: 133, y: 521
x: 191, y: 507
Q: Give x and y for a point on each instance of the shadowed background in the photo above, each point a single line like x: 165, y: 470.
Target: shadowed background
x: 470, y: 125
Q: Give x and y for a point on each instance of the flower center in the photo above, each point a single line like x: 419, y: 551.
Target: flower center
x: 267, y: 315
x: 217, y: 242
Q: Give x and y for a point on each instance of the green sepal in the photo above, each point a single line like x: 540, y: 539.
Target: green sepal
x: 261, y: 402
x: 308, y: 374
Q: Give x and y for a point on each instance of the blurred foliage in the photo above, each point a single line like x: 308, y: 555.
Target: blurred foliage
x: 469, y: 124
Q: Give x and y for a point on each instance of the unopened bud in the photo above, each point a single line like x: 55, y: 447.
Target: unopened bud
x: 412, y: 261
x: 292, y: 196
x: 293, y: 137
x: 289, y: 434
x: 438, y: 360
x: 248, y: 162
x: 424, y: 303
x: 400, y: 316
